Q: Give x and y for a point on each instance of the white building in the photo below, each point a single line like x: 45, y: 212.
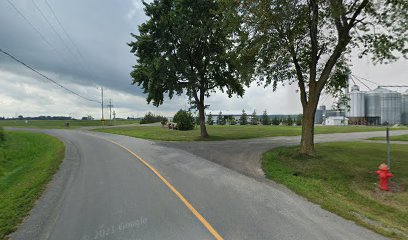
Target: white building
x: 336, y: 121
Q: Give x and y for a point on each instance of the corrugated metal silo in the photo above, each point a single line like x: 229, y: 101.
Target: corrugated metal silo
x: 357, y: 102
x: 390, y: 106
x: 404, y: 108
x: 373, y: 104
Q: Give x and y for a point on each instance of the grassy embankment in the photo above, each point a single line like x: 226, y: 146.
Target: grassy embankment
x: 230, y: 132
x: 59, y: 123
x: 393, y: 138
x: 342, y: 179
x: 27, y: 162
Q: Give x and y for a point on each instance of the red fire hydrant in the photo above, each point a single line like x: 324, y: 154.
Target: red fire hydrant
x: 384, y: 176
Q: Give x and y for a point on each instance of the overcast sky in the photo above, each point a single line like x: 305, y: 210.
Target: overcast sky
x: 94, y: 54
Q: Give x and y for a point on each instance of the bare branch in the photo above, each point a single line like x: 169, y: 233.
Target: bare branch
x: 313, y: 23
x: 301, y: 80
x: 360, y: 8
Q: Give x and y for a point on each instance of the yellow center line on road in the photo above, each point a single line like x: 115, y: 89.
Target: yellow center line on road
x: 173, y: 189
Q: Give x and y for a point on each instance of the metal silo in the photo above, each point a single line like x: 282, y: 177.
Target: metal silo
x: 404, y: 108
x: 357, y: 102
x: 373, y: 104
x: 390, y: 106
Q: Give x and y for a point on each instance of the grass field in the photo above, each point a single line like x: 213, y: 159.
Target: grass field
x: 342, y: 179
x: 230, y: 132
x: 27, y: 162
x: 59, y: 123
x: 393, y: 138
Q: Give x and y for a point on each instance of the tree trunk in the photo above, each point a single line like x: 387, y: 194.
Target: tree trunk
x: 307, y: 140
x: 201, y: 115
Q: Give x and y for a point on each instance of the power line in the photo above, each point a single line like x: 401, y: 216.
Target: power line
x: 37, y: 30
x: 365, y: 80
x: 362, y: 82
x: 67, y: 35
x: 396, y: 86
x: 325, y: 99
x: 78, y: 60
x: 353, y: 80
x: 29, y: 22
x: 46, y: 77
x: 52, y: 27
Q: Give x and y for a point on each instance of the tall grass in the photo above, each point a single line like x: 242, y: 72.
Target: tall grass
x: 27, y: 162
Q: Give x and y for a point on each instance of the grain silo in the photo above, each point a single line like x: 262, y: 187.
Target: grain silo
x: 390, y: 106
x: 404, y: 108
x: 357, y: 103
x: 373, y: 107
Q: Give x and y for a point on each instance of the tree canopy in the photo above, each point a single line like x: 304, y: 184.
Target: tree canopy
x: 243, y: 119
x: 183, y: 47
x: 310, y: 41
x: 265, y: 118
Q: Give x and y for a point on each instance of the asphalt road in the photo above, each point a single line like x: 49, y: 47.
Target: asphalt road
x: 244, y: 155
x: 104, y: 192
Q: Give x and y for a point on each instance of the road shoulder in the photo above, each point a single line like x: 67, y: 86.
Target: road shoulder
x: 39, y: 222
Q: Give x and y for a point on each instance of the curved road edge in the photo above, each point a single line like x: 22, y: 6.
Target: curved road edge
x: 40, y: 220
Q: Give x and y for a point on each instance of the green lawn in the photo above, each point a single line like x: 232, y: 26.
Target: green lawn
x: 230, y: 132
x: 393, y: 138
x: 342, y: 179
x: 59, y: 123
x: 27, y: 162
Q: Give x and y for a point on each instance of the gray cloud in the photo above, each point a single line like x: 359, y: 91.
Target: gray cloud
x: 100, y: 31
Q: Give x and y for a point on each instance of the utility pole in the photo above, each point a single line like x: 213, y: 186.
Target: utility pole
x: 102, y: 103
x: 110, y: 111
x: 388, y: 148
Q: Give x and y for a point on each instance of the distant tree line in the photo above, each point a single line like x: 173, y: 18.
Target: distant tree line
x: 152, y: 118
x: 254, y: 119
x: 89, y: 117
x: 20, y: 117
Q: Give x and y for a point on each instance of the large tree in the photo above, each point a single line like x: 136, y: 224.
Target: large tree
x: 183, y: 48
x: 309, y: 42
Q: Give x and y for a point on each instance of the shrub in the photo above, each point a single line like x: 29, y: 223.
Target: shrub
x: 151, y: 118
x: 275, y: 121
x: 163, y: 122
x: 185, y: 120
x: 289, y: 121
x: 299, y: 120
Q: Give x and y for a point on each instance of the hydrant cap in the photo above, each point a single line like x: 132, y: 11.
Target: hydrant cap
x: 383, y: 166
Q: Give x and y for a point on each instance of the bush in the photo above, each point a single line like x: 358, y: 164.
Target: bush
x: 185, y: 120
x: 151, y: 118
x: 163, y: 122
x: 289, y: 121
x: 299, y: 120
x: 275, y: 121
x: 2, y: 135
